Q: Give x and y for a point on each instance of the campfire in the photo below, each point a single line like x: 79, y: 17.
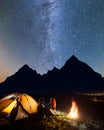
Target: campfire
x: 73, y: 114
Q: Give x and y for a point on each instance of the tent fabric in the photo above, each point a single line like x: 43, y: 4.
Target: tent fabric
x: 28, y: 103
x: 18, y: 104
x: 5, y: 101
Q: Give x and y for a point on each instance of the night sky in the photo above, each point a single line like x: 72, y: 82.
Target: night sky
x: 46, y: 33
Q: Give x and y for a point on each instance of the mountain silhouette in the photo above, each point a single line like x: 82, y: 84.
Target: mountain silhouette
x: 74, y: 76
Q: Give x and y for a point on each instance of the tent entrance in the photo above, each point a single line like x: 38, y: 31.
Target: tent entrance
x: 21, y: 113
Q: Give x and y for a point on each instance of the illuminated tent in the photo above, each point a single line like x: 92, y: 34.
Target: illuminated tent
x: 18, y: 105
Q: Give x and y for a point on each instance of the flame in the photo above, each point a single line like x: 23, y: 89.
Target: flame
x: 73, y: 114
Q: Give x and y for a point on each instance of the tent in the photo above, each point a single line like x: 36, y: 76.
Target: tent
x: 18, y: 105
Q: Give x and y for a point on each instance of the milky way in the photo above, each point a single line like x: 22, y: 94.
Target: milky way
x: 45, y: 33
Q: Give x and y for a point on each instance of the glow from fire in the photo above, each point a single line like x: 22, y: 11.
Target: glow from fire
x: 73, y: 114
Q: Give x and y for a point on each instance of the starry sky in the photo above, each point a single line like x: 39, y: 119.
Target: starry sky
x: 46, y: 33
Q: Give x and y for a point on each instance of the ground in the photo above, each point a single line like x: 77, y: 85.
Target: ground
x: 91, y: 117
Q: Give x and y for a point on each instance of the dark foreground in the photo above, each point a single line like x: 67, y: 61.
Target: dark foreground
x: 50, y: 123
x: 91, y: 116
x: 47, y: 123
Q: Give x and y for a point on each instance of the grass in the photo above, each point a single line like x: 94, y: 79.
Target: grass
x: 45, y: 123
x: 58, y: 122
